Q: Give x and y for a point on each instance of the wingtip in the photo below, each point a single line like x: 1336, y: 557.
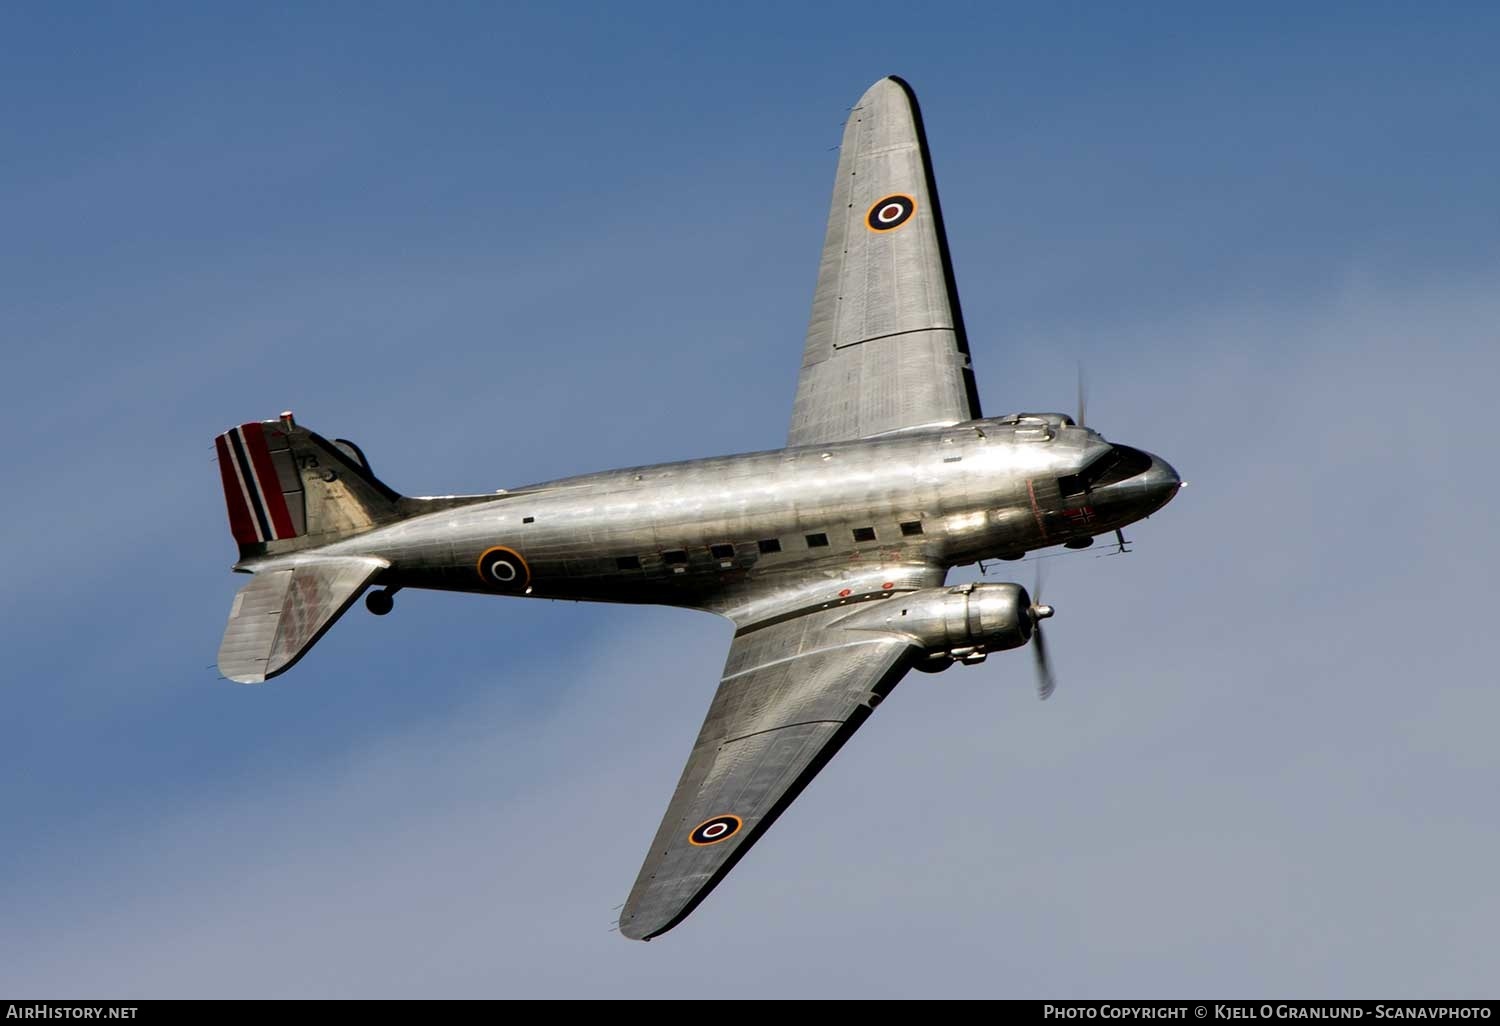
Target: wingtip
x: 632, y: 931
x: 650, y: 920
x: 884, y: 83
x: 880, y: 88
x: 647, y: 921
x: 905, y: 86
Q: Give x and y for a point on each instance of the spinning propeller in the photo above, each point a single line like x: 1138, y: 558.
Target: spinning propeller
x: 1083, y: 396
x: 1038, y: 611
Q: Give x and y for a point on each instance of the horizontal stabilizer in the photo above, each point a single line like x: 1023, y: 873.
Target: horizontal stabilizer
x: 278, y: 616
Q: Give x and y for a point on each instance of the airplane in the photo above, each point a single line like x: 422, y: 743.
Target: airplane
x: 830, y: 556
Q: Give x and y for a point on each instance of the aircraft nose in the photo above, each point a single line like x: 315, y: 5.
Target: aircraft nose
x: 1160, y: 483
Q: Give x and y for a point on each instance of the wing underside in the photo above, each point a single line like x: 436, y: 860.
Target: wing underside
x: 795, y: 687
x: 886, y: 348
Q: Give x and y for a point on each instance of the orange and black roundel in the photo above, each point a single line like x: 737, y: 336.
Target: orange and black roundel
x: 503, y: 569
x: 891, y: 212
x: 712, y: 831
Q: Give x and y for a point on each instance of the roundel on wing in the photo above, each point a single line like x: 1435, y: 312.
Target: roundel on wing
x: 503, y: 569
x: 890, y: 213
x: 712, y: 831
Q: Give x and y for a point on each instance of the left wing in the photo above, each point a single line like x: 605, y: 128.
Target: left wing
x: 886, y: 349
x: 795, y: 687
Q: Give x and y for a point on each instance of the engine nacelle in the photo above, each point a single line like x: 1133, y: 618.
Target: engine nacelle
x: 959, y: 624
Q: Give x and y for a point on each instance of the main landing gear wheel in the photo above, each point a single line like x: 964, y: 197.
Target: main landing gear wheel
x: 380, y: 602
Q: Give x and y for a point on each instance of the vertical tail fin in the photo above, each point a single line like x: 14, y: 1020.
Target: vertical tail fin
x: 288, y: 488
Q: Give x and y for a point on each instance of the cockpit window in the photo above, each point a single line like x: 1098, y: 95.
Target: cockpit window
x: 1119, y: 464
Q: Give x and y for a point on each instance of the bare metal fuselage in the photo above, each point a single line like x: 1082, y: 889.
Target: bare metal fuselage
x: 779, y: 542
x: 695, y: 533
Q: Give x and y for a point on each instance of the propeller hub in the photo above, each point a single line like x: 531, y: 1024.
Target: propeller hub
x: 1040, y: 611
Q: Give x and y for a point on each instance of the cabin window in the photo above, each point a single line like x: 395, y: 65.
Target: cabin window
x: 817, y: 541
x: 628, y: 562
x: 769, y: 545
x: 528, y: 520
x: 864, y: 534
x: 674, y: 557
x: 911, y: 527
x: 722, y: 551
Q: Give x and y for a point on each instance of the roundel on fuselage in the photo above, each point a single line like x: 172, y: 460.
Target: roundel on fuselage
x: 503, y: 569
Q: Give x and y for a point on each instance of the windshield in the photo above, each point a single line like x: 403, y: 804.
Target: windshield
x: 1120, y: 463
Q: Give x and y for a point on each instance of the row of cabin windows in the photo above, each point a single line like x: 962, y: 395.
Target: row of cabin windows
x: 723, y: 552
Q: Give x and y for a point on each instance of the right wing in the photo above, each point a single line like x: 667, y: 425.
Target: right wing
x: 886, y: 348
x: 795, y: 687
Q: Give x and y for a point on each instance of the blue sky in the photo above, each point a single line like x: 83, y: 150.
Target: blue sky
x: 497, y: 244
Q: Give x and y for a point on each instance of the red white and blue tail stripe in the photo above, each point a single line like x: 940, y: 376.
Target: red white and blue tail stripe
x: 260, y: 477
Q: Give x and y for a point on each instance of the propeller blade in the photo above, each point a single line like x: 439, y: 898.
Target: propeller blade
x: 1083, y: 397
x: 1045, y: 682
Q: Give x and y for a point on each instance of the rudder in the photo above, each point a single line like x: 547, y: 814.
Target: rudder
x: 287, y: 488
